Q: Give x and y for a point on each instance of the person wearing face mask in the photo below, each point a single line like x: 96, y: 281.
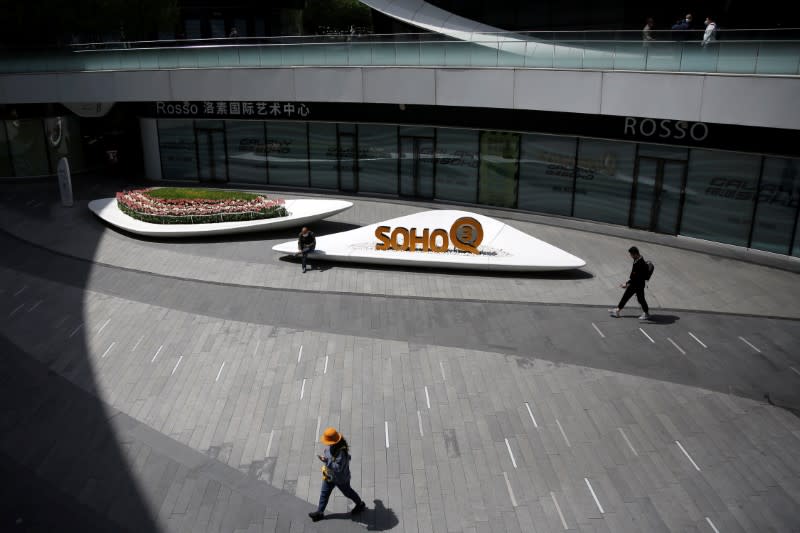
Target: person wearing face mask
x: 682, y: 28
x: 711, y: 31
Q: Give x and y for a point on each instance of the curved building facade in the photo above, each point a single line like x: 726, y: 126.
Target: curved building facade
x: 689, y: 187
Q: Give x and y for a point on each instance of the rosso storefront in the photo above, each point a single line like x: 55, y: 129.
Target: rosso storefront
x: 728, y: 184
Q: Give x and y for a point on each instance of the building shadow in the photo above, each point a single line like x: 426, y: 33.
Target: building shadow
x: 63, y: 465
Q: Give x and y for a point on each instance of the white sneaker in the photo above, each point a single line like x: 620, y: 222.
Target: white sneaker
x: 614, y: 313
x: 644, y: 316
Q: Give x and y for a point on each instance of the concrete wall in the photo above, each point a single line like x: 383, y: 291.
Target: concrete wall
x: 716, y: 98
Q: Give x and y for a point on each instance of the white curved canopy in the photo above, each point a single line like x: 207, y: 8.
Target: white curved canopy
x: 429, y: 17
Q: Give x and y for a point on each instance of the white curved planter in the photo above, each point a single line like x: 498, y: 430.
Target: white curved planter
x: 502, y: 247
x: 300, y: 212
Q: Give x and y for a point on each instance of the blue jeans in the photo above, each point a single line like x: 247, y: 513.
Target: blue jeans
x: 327, y: 488
x: 305, y: 251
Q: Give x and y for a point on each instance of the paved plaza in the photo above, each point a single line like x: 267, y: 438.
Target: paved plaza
x: 182, y: 385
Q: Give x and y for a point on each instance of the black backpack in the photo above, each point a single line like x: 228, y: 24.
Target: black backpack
x: 650, y: 269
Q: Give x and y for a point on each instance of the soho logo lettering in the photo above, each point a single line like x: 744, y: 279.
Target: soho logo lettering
x: 666, y: 129
x: 465, y: 234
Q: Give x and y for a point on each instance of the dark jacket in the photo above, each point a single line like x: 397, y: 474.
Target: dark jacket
x: 306, y: 241
x: 638, y: 273
x: 337, y: 462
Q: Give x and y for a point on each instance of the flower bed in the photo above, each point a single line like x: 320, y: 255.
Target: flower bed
x: 197, y: 206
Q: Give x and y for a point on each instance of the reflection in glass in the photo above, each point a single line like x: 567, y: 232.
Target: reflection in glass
x: 720, y: 192
x: 58, y: 140
x: 247, y: 152
x: 547, y: 170
x: 377, y: 158
x: 287, y: 152
x: 348, y: 163
x: 177, y: 146
x: 211, y: 155
x: 28, y: 151
x: 457, y: 165
x: 416, y: 166
x: 645, y: 193
x: 6, y: 169
x: 776, y: 211
x: 605, y: 177
x: 668, y: 203
x: 324, y: 164
x: 499, y: 168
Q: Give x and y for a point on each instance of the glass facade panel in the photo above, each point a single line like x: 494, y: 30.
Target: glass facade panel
x: 499, y: 168
x: 377, y: 159
x: 720, y: 192
x: 605, y: 177
x: 178, y: 151
x: 525, y: 171
x: 663, y: 152
x: 796, y: 247
x: 287, y: 151
x: 776, y: 211
x: 64, y: 140
x: 212, y: 164
x: 457, y: 165
x: 247, y: 152
x: 547, y: 170
x: 324, y: 164
x: 28, y: 150
x: 6, y: 168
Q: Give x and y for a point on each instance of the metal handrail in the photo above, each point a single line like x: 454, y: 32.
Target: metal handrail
x: 765, y: 34
x: 777, y: 56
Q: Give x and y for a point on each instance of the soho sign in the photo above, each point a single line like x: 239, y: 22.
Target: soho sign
x: 666, y: 129
x: 465, y: 234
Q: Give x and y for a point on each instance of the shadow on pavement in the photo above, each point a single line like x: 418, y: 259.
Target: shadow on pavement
x: 379, y: 518
x: 662, y: 319
x: 322, y: 265
x: 63, y: 466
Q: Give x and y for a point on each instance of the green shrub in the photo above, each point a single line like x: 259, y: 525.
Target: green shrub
x: 183, y: 193
x: 273, y: 212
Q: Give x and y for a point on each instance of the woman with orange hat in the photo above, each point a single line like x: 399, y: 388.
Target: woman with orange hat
x: 335, y: 473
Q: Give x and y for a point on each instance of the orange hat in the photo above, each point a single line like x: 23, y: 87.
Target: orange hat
x: 330, y: 436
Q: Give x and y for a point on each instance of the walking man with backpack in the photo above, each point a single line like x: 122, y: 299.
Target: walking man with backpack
x: 641, y: 272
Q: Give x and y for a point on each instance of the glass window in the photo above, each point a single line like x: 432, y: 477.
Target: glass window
x: 777, y: 205
x: 324, y: 164
x: 73, y: 140
x: 499, y: 168
x: 546, y: 174
x: 28, y: 151
x: 247, y: 152
x: 6, y: 170
x: 720, y: 192
x: 287, y: 152
x: 663, y: 152
x: 177, y: 146
x: 377, y: 158
x: 457, y: 165
x: 603, y: 187
x: 796, y: 247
